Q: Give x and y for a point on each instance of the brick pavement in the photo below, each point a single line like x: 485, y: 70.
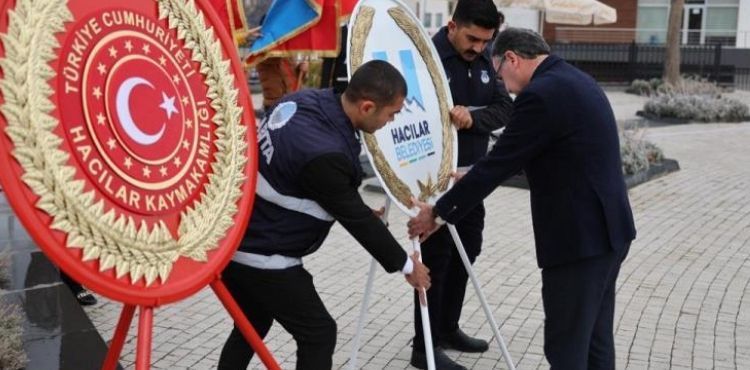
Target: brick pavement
x: 683, y: 294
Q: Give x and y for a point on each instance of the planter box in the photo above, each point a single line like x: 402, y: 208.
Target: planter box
x: 662, y: 121
x: 666, y: 166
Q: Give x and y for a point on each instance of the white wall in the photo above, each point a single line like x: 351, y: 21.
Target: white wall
x: 743, y: 25
x: 514, y: 17
x: 411, y: 4
x: 433, y: 7
x: 523, y: 18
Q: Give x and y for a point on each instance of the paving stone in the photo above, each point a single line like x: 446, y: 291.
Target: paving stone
x: 683, y: 296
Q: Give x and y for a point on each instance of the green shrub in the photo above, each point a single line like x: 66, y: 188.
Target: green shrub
x: 700, y: 108
x: 3, y: 270
x: 691, y: 99
x: 654, y: 83
x: 637, y: 153
x: 688, y: 85
x: 654, y: 154
x: 640, y: 87
x: 691, y: 85
x: 633, y: 155
x: 12, y: 356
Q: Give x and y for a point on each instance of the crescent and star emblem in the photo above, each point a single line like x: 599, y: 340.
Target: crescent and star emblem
x: 145, y: 165
x: 126, y: 118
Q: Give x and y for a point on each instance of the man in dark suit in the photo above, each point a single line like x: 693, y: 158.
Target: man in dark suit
x: 563, y: 134
x: 481, y: 106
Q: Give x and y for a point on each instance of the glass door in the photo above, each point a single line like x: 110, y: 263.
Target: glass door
x: 693, y: 29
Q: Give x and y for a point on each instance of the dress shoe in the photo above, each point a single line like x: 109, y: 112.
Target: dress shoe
x: 85, y: 298
x: 464, y: 343
x: 442, y: 361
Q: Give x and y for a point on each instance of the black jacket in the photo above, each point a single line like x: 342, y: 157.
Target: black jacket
x: 308, y: 175
x: 473, y: 84
x: 563, y: 134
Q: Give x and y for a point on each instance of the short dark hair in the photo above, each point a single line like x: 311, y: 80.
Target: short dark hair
x: 482, y: 13
x: 378, y: 81
x: 526, y: 43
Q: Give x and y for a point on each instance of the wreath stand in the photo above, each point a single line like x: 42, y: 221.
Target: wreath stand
x: 145, y: 329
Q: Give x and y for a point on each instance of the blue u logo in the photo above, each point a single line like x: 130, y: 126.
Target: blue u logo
x: 409, y: 70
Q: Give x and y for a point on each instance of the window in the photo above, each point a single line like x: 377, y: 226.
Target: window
x: 427, y: 21
x: 715, y: 21
x: 652, y: 24
x: 439, y: 20
x: 721, y: 25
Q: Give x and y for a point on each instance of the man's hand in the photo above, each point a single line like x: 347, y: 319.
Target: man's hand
x: 379, y: 212
x: 457, y: 176
x: 246, y: 38
x: 461, y: 117
x: 419, y: 277
x: 423, y: 225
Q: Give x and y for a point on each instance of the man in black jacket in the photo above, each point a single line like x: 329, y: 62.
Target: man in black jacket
x: 481, y: 106
x: 563, y: 135
x: 308, y: 176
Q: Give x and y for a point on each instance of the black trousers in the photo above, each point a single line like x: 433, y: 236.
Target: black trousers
x: 74, y: 286
x: 289, y: 297
x: 445, y: 297
x: 579, y: 307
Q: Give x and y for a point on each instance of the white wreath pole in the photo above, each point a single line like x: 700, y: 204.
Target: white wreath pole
x: 366, y: 298
x: 482, y: 299
x: 425, y: 313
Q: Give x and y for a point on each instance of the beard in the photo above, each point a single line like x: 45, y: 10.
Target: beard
x: 470, y: 55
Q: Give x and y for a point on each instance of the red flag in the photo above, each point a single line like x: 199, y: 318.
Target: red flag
x: 347, y: 7
x: 232, y: 15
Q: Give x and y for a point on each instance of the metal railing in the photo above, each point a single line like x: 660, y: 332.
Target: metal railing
x: 742, y: 79
x: 622, y: 63
x: 649, y: 36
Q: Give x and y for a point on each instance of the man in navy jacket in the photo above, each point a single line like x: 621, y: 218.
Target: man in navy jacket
x: 308, y: 176
x: 481, y: 105
x: 564, y: 136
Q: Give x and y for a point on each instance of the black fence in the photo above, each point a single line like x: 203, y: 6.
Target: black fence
x: 623, y: 63
x: 742, y: 78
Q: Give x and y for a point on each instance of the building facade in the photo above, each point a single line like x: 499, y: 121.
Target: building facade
x: 705, y: 22
x: 437, y: 13
x: 621, y: 31
x: 433, y: 13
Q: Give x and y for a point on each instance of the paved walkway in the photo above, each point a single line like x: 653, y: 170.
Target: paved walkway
x: 683, y: 294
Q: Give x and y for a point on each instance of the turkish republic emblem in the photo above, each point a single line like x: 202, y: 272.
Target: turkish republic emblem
x: 125, y: 145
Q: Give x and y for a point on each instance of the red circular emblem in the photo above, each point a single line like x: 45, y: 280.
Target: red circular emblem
x: 142, y: 133
x: 133, y: 169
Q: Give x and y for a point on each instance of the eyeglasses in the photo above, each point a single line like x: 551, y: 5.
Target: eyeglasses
x: 500, y: 66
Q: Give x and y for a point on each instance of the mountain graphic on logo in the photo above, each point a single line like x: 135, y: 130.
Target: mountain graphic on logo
x: 412, y: 102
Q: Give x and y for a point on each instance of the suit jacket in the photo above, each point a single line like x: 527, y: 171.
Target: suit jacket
x: 563, y: 134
